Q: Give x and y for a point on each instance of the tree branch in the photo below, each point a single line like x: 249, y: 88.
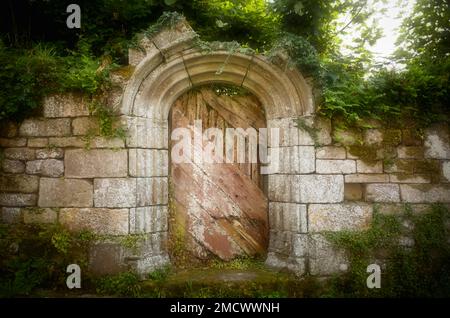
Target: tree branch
x: 351, y: 20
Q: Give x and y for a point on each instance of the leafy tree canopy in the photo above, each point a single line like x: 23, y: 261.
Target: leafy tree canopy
x: 426, y: 33
x: 39, y: 54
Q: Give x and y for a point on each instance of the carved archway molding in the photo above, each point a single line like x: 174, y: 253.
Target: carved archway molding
x: 169, y: 65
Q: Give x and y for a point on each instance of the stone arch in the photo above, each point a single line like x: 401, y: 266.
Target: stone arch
x: 172, y: 64
x: 169, y: 65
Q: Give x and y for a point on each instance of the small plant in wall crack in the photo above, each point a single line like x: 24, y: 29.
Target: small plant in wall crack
x: 107, y: 122
x: 132, y: 241
x: 302, y: 124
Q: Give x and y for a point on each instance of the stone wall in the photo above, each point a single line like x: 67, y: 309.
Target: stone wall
x: 331, y: 179
x: 59, y: 169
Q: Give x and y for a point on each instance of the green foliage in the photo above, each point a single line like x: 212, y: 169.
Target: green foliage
x: 344, y: 90
x: 308, y: 30
x: 33, y: 256
x: 309, y: 19
x: 61, y: 241
x: 124, y: 284
x: 425, y: 49
x: 25, y: 77
x: 160, y: 274
x: 317, y: 22
x: 84, y: 237
x: 250, y: 22
x: 300, y: 52
x: 385, y: 95
x: 167, y: 20
x: 217, y: 281
x: 418, y: 271
x: 107, y: 121
x: 426, y: 33
x: 29, y: 75
x: 84, y: 72
x: 240, y: 263
x: 419, y: 93
x: 109, y: 25
x: 231, y: 47
x: 132, y: 241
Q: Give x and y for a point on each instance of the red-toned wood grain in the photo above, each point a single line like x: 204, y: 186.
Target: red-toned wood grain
x: 221, y: 207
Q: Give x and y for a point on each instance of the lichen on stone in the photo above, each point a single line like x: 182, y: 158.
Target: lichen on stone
x: 125, y: 71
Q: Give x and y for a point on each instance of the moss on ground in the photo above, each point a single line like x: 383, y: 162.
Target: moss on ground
x: 218, y: 282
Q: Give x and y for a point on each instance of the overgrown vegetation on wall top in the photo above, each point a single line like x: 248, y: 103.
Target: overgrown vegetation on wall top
x: 53, y: 58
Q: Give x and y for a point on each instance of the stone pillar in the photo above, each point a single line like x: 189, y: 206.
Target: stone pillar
x: 148, y: 167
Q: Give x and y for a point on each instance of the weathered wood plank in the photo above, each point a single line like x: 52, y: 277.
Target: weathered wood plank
x: 221, y: 206
x: 251, y: 115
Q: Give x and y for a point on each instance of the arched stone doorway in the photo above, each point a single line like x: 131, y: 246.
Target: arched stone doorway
x: 172, y: 65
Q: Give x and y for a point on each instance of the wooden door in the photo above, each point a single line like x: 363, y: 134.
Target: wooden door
x: 217, y: 209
